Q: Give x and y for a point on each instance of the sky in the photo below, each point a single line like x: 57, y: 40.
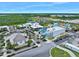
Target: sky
x: 39, y: 7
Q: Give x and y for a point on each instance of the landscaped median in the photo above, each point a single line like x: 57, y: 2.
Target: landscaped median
x: 75, y: 52
x: 57, y: 37
x: 56, y: 52
x: 60, y: 36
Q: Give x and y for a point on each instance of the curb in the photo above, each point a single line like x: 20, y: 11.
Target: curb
x: 50, y: 52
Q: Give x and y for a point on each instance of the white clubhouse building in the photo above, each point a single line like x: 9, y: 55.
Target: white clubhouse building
x: 53, y: 31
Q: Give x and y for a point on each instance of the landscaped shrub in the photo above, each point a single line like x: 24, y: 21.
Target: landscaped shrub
x: 10, y: 46
x: 29, y: 42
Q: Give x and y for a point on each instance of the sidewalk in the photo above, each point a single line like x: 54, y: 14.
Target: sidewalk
x: 36, y: 43
x: 19, y: 51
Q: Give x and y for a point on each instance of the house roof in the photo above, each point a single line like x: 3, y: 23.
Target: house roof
x: 70, y: 45
x: 19, y: 38
x: 15, y: 37
x: 49, y: 30
x: 33, y: 24
x: 3, y: 26
x: 36, y: 25
x: 56, y: 28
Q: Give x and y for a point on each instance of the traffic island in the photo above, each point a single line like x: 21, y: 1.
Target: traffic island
x: 56, y: 52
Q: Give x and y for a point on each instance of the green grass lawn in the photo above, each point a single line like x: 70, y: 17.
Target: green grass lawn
x: 56, y: 52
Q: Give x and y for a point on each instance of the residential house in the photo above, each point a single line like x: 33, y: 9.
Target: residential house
x: 9, y: 28
x: 67, y: 26
x: 18, y: 38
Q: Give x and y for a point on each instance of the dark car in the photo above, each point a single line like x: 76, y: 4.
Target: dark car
x: 57, y: 40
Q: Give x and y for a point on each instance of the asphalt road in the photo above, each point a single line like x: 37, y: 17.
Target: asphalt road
x: 42, y: 51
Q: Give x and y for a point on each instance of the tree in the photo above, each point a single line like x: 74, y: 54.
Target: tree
x: 29, y: 42
x: 1, y: 41
x: 9, y: 45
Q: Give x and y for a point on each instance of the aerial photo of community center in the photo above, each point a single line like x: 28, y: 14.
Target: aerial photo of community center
x: 39, y: 29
